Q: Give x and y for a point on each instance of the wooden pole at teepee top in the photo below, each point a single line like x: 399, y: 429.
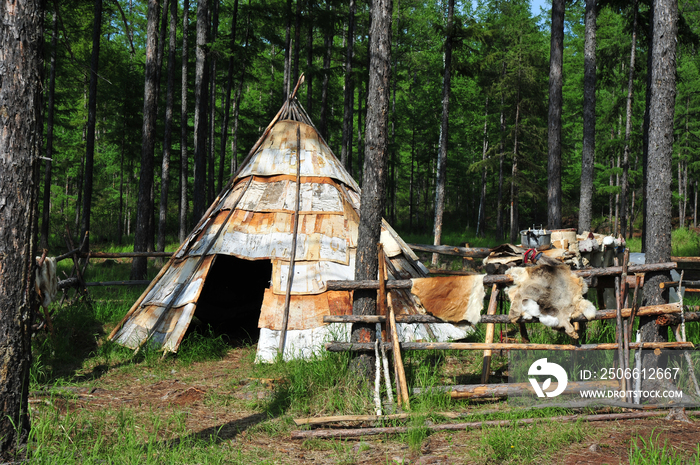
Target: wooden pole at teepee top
x: 293, y: 252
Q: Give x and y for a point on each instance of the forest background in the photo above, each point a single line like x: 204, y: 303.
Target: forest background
x: 251, y: 50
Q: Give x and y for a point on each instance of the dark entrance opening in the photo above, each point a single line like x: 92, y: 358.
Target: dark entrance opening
x: 232, y: 295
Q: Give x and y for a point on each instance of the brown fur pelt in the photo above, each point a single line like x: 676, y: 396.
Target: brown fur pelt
x: 551, y: 293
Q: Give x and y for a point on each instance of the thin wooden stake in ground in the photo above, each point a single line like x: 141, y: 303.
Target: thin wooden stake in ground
x: 402, y: 388
x: 490, y: 329
x: 382, y: 310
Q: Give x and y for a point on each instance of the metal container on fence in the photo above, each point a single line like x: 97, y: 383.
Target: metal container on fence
x: 533, y: 238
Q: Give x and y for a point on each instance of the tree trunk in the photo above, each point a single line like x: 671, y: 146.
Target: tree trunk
x: 184, y: 129
x: 143, y: 209
x: 588, y: 155
x: 227, y: 93
x: 91, y: 123
x: 328, y: 47
x: 660, y: 151
x: 297, y: 43
x: 481, y: 221
x: 349, y: 93
x: 309, y: 61
x: 684, y: 171
x: 556, y: 58
x: 444, y: 135
x: 120, y: 222
x: 167, y: 138
x: 501, y: 158
x: 49, y: 134
x: 236, y: 106
x: 628, y: 125
x: 695, y: 207
x: 287, y: 53
x: 360, y: 159
x: 611, y: 204
x: 200, y: 113
x: 212, y: 109
x: 514, y: 229
x: 374, y: 178
x: 21, y: 41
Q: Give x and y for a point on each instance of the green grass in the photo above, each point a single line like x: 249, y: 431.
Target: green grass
x: 649, y: 451
x: 515, y: 444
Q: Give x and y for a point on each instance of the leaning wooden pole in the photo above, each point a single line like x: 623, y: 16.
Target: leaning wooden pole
x: 401, y: 385
x: 293, y: 252
x: 490, y: 329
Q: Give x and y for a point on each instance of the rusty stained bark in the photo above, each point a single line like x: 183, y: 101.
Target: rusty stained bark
x: 21, y: 41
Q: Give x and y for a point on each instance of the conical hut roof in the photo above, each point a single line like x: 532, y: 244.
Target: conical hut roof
x: 252, y: 219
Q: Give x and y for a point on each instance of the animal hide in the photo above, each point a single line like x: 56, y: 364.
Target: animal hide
x: 451, y: 298
x: 551, y: 293
x: 46, y: 283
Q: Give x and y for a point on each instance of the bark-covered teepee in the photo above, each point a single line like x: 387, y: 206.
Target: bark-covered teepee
x: 290, y: 193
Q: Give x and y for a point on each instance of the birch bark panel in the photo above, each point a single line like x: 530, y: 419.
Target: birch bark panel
x: 163, y: 292
x: 278, y: 155
x: 310, y: 277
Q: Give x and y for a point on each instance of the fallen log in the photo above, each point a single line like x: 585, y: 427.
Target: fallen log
x: 357, y: 432
x: 74, y: 282
x: 112, y: 254
x: 341, y: 418
x: 476, y: 252
x: 489, y: 391
x: 369, y: 347
x: 606, y: 314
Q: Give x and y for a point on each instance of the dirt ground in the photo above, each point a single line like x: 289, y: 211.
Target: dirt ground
x: 216, y: 400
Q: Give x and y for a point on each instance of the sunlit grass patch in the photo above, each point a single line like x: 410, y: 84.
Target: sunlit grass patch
x: 650, y: 451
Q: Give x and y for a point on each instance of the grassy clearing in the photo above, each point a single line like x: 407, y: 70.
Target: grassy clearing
x: 245, y: 411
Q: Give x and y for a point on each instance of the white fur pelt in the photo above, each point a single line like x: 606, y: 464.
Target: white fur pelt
x: 551, y: 293
x: 46, y: 283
